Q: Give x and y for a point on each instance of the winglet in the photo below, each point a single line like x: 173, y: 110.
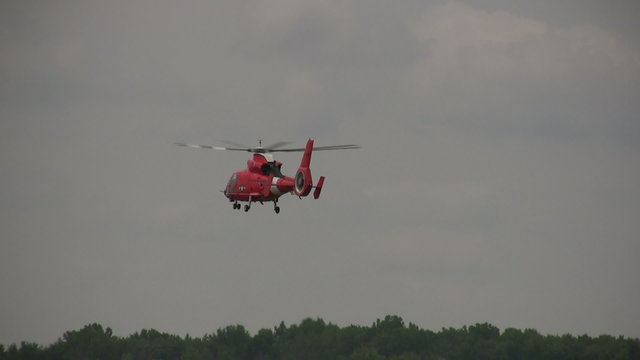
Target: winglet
x: 316, y: 192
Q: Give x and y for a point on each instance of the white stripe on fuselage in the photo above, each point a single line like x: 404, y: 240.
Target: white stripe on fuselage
x: 274, y: 187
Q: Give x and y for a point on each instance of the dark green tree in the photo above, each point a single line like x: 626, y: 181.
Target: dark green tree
x: 91, y: 342
x: 389, y: 338
x: 261, y: 346
x: 231, y: 342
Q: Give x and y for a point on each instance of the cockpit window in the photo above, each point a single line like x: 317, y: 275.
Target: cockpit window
x: 233, y: 181
x: 231, y: 185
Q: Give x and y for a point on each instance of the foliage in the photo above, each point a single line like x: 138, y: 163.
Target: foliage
x: 389, y: 338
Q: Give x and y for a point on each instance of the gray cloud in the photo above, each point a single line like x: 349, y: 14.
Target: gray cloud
x: 497, y: 180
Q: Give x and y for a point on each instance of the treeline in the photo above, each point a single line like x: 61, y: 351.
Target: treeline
x: 389, y: 338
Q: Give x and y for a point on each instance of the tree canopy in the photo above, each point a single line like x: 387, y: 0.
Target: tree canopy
x: 388, y: 338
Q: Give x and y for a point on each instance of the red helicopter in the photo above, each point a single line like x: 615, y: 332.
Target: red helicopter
x: 263, y: 181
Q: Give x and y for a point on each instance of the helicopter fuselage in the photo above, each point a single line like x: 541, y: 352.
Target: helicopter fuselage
x: 260, y: 181
x: 263, y: 181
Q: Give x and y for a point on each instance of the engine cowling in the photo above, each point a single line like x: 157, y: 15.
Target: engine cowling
x: 303, y: 182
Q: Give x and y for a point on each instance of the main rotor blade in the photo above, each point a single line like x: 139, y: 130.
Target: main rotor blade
x: 233, y: 143
x: 331, y: 147
x: 268, y: 149
x: 196, y: 146
x: 277, y: 145
x: 337, y: 147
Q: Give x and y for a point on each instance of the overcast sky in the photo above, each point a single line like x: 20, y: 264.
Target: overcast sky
x: 497, y: 180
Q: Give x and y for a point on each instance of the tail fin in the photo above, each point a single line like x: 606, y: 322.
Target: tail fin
x: 303, y: 180
x: 306, y: 157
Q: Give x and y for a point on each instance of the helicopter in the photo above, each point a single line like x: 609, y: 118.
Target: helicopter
x: 262, y: 181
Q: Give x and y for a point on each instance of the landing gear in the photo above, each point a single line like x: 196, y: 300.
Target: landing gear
x: 247, y: 207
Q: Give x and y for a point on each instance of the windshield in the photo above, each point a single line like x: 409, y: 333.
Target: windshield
x: 231, y: 185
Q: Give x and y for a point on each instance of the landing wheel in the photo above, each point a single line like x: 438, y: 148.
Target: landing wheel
x: 246, y: 208
x: 236, y: 206
x: 276, y: 209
